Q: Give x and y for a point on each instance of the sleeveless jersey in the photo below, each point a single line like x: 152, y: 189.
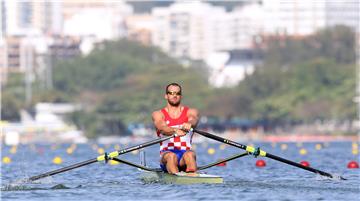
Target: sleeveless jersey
x: 176, y: 143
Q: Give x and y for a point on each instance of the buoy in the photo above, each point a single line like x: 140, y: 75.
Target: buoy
x: 305, y: 163
x: 13, y: 149
x: 222, y: 146
x: 303, y: 151
x: 211, y: 151
x: 69, y: 150
x: 100, y: 151
x: 117, y: 147
x: 284, y: 146
x: 260, y: 163
x: 353, y: 164
x: 6, y: 160
x: 112, y: 162
x: 57, y: 160
x: 221, y: 164
x: 355, y: 151
x: 318, y: 146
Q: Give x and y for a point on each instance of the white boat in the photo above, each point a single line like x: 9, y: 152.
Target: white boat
x: 180, y: 178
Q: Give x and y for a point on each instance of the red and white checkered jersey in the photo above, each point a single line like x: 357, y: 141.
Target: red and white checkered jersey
x: 176, y: 143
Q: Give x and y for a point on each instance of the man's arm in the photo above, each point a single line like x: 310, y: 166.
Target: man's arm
x: 160, y: 124
x: 193, y: 119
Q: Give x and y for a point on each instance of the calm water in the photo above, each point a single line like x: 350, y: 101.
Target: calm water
x: 243, y: 181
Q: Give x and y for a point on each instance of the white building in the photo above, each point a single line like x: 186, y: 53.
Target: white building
x: 304, y: 17
x: 189, y: 29
x: 31, y: 17
x: 228, y: 68
x: 102, y: 22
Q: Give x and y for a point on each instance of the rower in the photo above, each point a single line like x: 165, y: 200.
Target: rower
x: 175, y: 118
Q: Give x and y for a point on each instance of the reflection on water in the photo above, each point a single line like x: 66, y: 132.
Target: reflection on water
x: 243, y: 180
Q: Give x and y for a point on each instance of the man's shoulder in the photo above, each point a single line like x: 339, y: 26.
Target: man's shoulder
x: 157, y: 112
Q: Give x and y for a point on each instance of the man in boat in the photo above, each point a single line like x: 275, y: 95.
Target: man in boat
x: 176, y: 154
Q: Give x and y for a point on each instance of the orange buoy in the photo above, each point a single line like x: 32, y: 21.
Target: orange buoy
x: 260, y: 163
x: 353, y: 164
x: 305, y: 163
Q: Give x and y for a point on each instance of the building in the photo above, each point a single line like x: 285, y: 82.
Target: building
x: 99, y: 19
x: 140, y: 28
x: 186, y: 30
x: 228, y: 68
x: 31, y: 17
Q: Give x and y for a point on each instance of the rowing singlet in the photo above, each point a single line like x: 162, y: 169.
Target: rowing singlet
x: 176, y: 143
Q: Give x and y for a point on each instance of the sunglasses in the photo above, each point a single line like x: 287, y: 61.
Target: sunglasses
x: 173, y: 93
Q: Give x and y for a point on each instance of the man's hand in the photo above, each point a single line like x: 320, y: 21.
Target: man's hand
x: 180, y: 132
x: 186, y: 126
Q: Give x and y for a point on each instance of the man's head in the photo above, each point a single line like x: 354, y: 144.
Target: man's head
x: 173, y: 94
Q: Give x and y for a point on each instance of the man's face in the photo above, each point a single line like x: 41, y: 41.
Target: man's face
x: 173, y: 95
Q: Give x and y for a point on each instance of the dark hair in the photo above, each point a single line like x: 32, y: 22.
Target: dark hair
x: 172, y: 84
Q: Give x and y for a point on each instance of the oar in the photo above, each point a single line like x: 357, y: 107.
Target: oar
x: 99, y: 158
x: 263, y: 153
x: 223, y: 161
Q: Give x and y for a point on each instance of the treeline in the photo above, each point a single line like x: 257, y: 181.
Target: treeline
x: 119, y: 82
x: 300, y: 81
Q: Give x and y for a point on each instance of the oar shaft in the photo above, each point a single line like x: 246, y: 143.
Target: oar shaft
x: 298, y: 165
x: 76, y: 165
x: 223, y: 161
x: 137, y: 165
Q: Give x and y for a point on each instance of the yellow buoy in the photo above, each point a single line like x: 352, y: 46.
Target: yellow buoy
x: 57, y: 160
x: 69, y: 150
x: 112, y: 162
x: 318, y: 146
x: 303, y: 151
x: 100, y: 151
x: 284, y: 146
x: 13, y: 149
x: 222, y: 146
x: 117, y: 147
x: 211, y: 151
x: 355, y: 151
x: 6, y: 160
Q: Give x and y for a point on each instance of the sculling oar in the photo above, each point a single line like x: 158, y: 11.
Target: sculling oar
x: 223, y: 161
x: 199, y: 168
x: 103, y: 157
x: 258, y: 152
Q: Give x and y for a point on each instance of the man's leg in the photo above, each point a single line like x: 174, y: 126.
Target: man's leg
x: 189, y: 160
x: 170, y: 160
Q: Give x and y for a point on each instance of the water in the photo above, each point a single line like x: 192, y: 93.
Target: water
x: 243, y: 181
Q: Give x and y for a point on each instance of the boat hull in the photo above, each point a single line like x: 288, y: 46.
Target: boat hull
x: 181, y: 178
